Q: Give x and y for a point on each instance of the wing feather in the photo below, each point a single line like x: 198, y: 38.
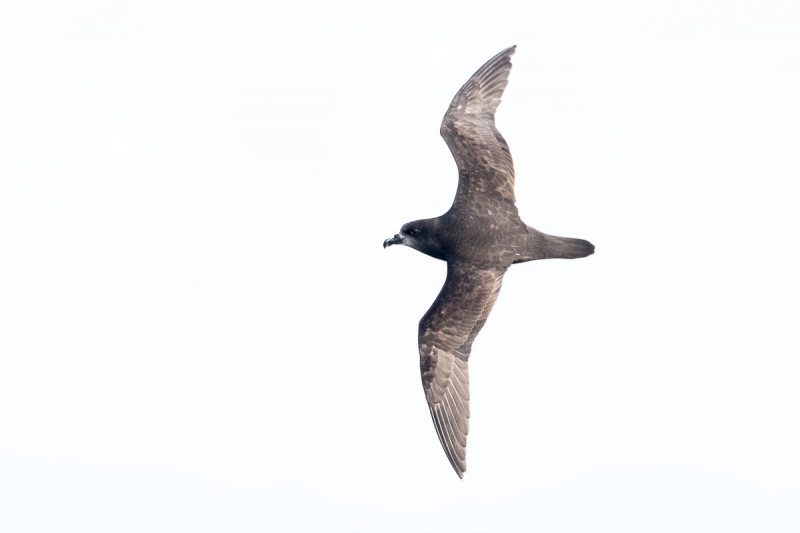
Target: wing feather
x: 485, y: 167
x: 446, y: 334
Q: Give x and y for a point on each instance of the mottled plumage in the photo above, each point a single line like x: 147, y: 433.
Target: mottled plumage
x: 480, y: 237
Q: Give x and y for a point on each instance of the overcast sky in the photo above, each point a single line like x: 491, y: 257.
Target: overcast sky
x: 200, y: 330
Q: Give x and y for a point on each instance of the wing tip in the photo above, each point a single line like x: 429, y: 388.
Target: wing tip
x: 502, y: 57
x: 507, y: 51
x: 446, y: 439
x: 459, y: 468
x: 483, y: 91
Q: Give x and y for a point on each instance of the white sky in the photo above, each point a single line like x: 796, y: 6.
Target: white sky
x: 200, y: 331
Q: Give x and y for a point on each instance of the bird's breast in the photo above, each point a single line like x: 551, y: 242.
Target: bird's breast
x: 479, y: 239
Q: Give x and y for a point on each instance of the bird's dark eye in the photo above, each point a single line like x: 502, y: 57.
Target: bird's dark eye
x: 413, y: 231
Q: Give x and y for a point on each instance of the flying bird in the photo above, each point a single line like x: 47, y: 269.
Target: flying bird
x: 480, y: 237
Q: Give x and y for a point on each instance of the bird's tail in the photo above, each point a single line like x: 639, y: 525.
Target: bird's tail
x: 543, y: 246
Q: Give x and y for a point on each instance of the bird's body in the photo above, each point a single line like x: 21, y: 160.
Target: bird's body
x: 480, y: 237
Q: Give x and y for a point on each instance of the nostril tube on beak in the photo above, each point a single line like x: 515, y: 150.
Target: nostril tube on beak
x: 394, y: 240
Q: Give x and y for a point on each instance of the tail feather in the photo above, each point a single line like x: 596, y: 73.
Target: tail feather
x: 543, y: 246
x: 568, y: 248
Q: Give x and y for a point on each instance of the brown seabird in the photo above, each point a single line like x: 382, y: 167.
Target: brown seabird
x: 480, y: 237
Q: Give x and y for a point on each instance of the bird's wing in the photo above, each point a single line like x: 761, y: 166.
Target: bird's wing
x: 485, y: 168
x: 446, y: 333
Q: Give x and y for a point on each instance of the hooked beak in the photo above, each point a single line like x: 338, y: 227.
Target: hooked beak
x: 397, y: 239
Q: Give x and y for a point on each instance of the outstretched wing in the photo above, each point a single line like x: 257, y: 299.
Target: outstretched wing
x: 446, y: 333
x: 485, y: 168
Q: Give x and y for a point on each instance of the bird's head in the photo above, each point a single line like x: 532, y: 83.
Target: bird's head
x: 420, y: 235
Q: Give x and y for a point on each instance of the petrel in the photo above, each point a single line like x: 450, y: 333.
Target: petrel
x: 480, y: 237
